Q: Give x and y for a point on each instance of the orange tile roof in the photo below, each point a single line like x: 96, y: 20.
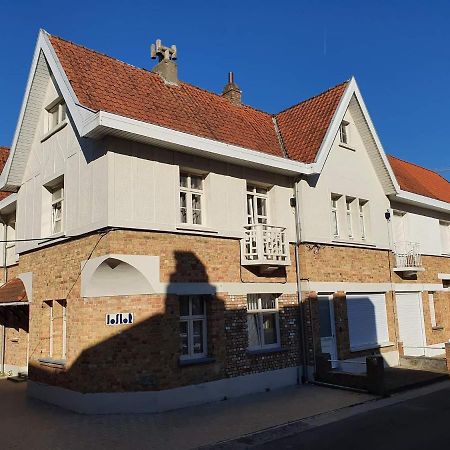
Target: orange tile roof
x: 418, y: 180
x: 4, y: 153
x: 104, y: 83
x: 13, y: 291
x: 303, y: 126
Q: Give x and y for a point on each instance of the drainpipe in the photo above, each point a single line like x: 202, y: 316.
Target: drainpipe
x: 5, y: 270
x: 303, y: 347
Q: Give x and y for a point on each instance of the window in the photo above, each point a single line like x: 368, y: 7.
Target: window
x: 362, y: 206
x: 57, y: 310
x: 445, y: 236
x: 432, y: 309
x: 349, y: 216
x: 193, y: 339
x: 334, y: 215
x: 56, y: 114
x: 262, y: 321
x: 10, y: 242
x: 343, y: 132
x: 256, y: 205
x: 191, y: 199
x: 57, y: 209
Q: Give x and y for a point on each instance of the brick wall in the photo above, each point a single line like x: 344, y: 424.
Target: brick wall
x: 145, y: 355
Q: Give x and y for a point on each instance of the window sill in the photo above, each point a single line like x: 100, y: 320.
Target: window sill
x: 371, y: 346
x: 353, y: 243
x: 50, y: 362
x: 348, y: 147
x: 263, y: 351
x: 195, y: 361
x: 437, y: 328
x: 198, y: 228
x: 54, y: 130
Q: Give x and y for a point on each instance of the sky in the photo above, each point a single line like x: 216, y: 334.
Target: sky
x: 280, y: 51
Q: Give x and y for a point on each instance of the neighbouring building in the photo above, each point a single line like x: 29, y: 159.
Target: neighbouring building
x: 177, y: 246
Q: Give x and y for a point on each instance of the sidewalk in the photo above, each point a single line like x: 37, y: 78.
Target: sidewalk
x: 29, y: 424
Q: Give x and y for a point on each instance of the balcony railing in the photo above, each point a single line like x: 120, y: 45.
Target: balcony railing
x: 407, y: 256
x: 265, y: 245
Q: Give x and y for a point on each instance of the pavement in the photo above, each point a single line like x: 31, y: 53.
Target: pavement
x: 415, y: 419
x: 34, y: 425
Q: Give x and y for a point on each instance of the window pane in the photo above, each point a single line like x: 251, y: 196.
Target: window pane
x: 184, y: 305
x: 183, y: 207
x: 184, y: 181
x: 261, y: 206
x: 334, y: 222
x: 252, y: 302
x: 57, y: 195
x: 268, y: 302
x: 270, y: 330
x: 261, y: 191
x: 196, y: 209
x: 63, y: 112
x: 254, y: 336
x: 197, y: 305
x: 53, y: 117
x: 196, y: 182
x: 198, y: 336
x: 324, y: 317
x: 184, y: 338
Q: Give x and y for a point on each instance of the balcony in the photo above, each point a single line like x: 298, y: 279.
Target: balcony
x: 407, y: 257
x: 265, y: 245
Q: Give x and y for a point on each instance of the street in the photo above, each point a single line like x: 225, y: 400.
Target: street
x: 414, y: 424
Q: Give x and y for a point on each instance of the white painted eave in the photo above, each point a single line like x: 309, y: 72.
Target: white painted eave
x: 421, y: 200
x: 8, y: 202
x: 325, y: 148
x: 104, y: 123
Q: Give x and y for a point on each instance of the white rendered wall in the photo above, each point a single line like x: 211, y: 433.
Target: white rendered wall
x: 347, y: 172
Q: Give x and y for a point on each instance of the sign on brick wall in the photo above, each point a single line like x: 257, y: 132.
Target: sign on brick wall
x: 119, y: 318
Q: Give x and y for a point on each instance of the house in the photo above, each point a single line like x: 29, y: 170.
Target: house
x: 13, y: 301
x: 177, y: 246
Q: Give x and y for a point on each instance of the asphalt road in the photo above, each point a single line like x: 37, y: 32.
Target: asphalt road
x: 420, y: 423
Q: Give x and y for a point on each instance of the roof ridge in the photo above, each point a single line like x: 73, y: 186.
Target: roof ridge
x: 312, y: 98
x: 420, y: 167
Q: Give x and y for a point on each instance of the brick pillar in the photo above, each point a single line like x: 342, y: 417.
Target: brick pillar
x: 375, y: 375
x: 447, y: 354
x: 401, y: 350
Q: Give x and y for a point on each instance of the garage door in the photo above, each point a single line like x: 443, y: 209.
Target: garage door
x: 410, y: 322
x: 367, y: 320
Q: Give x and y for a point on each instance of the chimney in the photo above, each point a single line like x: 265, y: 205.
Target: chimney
x: 231, y: 90
x: 166, y: 67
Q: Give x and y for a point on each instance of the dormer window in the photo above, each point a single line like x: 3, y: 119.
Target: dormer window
x: 56, y: 115
x: 343, y: 132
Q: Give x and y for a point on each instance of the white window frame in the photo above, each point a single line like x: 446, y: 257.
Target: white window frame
x: 10, y: 245
x: 445, y: 236
x: 54, y: 203
x: 59, y: 107
x: 63, y: 304
x: 349, y: 216
x: 335, y: 225
x: 260, y: 311
x: 344, y: 133
x: 253, y: 194
x: 432, y: 306
x: 362, y: 207
x: 190, y: 319
x: 188, y: 191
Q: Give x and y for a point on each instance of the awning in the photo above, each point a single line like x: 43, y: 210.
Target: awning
x: 13, y: 293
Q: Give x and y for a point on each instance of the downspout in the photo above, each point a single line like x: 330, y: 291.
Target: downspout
x: 5, y: 275
x: 303, y: 347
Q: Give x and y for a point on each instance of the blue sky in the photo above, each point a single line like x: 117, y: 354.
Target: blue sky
x: 281, y: 52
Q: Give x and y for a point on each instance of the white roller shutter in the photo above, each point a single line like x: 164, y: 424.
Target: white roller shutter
x: 367, y: 320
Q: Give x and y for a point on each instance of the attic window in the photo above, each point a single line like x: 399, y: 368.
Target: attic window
x: 55, y: 115
x: 343, y: 132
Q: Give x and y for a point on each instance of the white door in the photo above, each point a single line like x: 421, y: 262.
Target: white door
x: 410, y: 322
x: 399, y: 227
x: 327, y: 327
